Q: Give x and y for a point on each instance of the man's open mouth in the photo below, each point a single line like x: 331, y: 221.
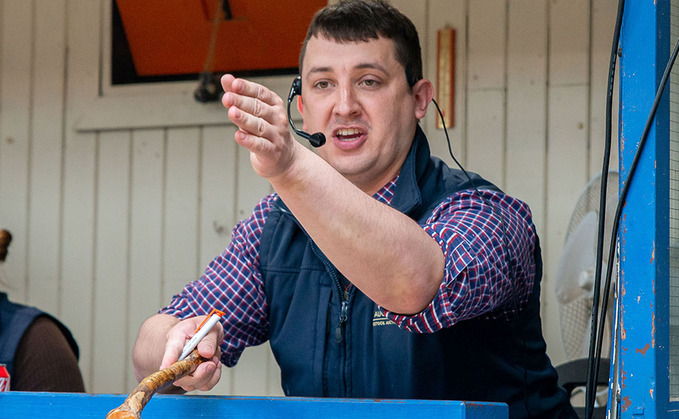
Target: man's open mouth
x: 348, y: 134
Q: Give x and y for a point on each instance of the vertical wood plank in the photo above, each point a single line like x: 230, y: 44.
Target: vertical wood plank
x: 486, y: 133
x: 452, y: 14
x: 567, y: 159
x: 218, y: 191
x: 569, y: 42
x: 109, y: 352
x: 180, y: 229
x: 603, y: 23
x: 250, y: 188
x: 250, y: 375
x: 77, y: 256
x: 486, y: 95
x: 146, y: 235
x: 16, y: 39
x: 566, y: 177
x: 527, y: 105
x: 487, y: 37
x: 47, y: 97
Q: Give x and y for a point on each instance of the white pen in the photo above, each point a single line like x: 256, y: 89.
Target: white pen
x: 202, y: 330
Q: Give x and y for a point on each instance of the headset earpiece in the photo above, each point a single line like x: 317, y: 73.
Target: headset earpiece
x: 317, y: 139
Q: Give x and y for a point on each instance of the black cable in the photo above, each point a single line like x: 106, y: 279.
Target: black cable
x: 496, y: 211
x: 450, y: 149
x: 621, y: 201
x: 592, y: 363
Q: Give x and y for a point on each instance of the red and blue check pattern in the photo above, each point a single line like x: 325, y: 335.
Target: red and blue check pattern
x: 473, y: 232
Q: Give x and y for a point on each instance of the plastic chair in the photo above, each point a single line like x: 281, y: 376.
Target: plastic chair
x: 573, y: 377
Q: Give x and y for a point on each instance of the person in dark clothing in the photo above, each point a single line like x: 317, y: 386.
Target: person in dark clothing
x: 374, y: 270
x: 39, y: 352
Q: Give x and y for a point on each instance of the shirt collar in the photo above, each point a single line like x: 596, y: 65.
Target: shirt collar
x: 386, y: 193
x: 406, y: 192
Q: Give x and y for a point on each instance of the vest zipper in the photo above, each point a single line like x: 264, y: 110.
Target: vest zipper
x: 339, y: 330
x: 344, y: 308
x: 344, y: 294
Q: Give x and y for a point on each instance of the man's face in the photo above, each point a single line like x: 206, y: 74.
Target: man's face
x: 357, y: 95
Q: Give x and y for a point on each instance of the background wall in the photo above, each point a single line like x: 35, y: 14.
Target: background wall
x: 118, y: 196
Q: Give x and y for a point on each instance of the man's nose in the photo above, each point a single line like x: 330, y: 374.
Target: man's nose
x: 347, y: 101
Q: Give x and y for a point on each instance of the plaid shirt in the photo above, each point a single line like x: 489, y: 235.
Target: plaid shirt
x: 476, y: 282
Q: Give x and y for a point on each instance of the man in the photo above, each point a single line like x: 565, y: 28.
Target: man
x: 374, y: 270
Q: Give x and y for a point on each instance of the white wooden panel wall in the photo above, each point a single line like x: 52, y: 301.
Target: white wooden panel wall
x: 485, y: 61
x: 567, y: 135
x: 146, y: 232
x: 118, y: 196
x: 15, y: 105
x: 526, y: 103
x: 77, y: 271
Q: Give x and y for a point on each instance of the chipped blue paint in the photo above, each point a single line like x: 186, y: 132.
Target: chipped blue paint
x: 64, y: 405
x: 643, y: 285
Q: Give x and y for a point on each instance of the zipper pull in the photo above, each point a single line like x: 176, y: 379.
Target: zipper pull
x: 342, y: 319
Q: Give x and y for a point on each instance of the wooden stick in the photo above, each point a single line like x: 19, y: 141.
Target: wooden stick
x: 135, y: 402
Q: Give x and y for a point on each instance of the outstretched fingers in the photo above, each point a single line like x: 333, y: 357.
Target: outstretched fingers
x: 255, y: 109
x: 262, y: 122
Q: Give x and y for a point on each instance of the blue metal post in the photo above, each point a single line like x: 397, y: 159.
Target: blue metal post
x: 644, y: 325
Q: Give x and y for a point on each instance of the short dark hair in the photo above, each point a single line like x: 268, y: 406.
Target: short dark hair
x: 363, y: 20
x: 5, y: 239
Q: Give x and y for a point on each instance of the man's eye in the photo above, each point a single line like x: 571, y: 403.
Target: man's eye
x: 322, y: 84
x: 370, y: 82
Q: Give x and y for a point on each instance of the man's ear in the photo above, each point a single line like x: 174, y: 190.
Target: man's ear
x: 300, y: 105
x: 423, y: 91
x: 300, y: 108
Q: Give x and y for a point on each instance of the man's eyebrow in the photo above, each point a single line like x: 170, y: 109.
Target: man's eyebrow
x: 376, y: 66
x: 360, y: 66
x: 319, y: 69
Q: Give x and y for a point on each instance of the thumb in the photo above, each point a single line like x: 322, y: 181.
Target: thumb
x: 208, y: 347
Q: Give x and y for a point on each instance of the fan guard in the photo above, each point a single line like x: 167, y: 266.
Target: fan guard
x: 575, y: 271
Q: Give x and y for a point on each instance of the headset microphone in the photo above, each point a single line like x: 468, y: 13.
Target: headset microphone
x: 317, y: 139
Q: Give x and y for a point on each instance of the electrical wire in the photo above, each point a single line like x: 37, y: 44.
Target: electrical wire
x: 450, y: 149
x: 593, y: 361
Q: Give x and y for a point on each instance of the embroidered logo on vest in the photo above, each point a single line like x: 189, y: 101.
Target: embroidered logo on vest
x: 379, y: 319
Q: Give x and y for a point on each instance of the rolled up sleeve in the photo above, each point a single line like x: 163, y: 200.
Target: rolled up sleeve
x: 489, y: 246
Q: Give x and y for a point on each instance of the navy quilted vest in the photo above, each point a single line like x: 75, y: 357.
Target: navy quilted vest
x: 368, y: 356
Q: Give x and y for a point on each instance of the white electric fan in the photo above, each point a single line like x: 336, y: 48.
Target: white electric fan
x: 575, y: 276
x: 574, y: 283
